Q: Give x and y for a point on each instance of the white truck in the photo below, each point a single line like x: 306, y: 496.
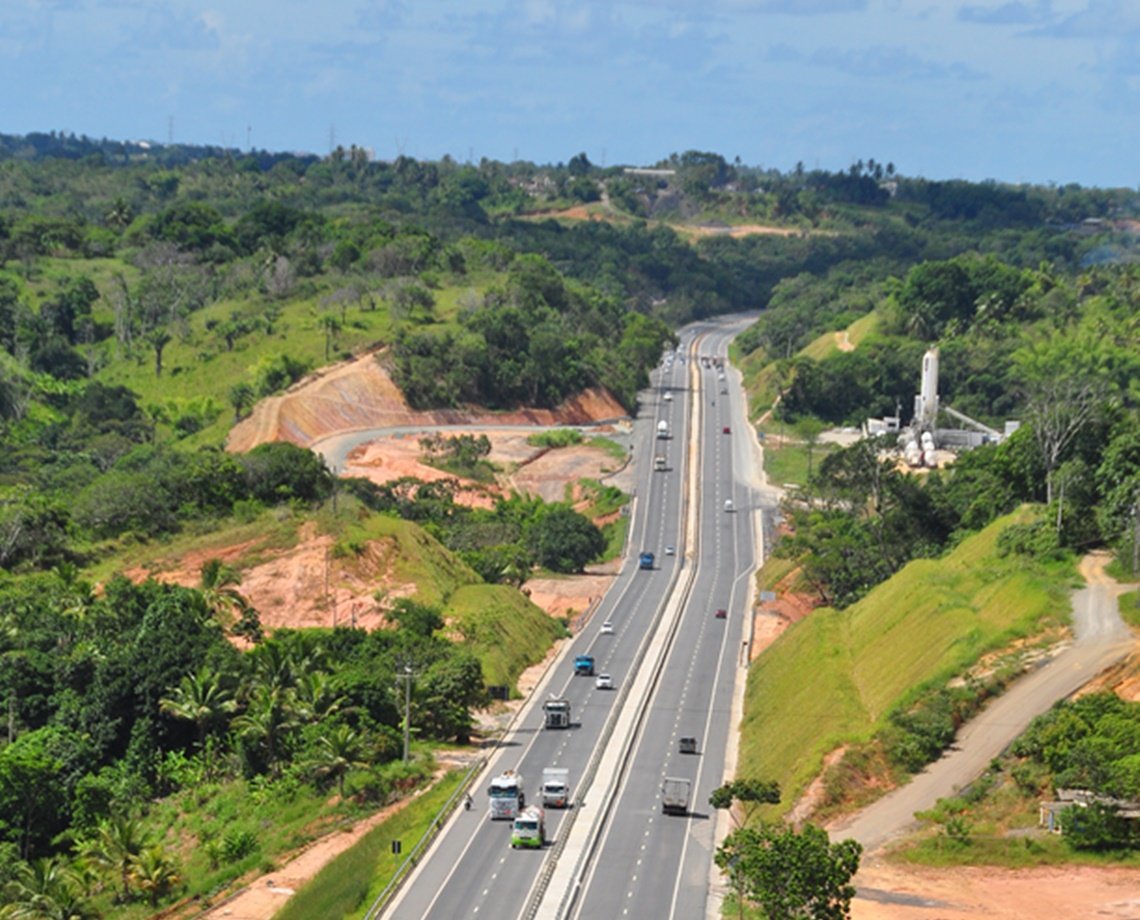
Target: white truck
x: 529, y: 829
x: 663, y: 429
x: 675, y: 795
x: 556, y: 713
x: 556, y: 787
x: 507, y: 794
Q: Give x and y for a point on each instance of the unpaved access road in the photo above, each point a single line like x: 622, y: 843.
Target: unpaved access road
x: 1101, y: 639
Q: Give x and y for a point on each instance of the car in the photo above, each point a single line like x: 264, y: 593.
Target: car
x: 688, y: 745
x: 668, y: 396
x: 669, y: 551
x: 724, y: 391
x: 728, y: 504
x: 604, y: 682
x: 607, y: 628
x: 721, y: 613
x: 726, y: 430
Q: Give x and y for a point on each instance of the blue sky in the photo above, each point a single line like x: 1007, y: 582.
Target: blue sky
x: 1014, y: 90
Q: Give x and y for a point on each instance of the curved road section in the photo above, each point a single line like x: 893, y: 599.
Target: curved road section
x: 1101, y: 640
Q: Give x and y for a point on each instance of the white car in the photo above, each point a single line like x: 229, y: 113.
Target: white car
x: 604, y: 682
x: 728, y: 504
x: 668, y: 396
x: 669, y: 551
x: 607, y: 628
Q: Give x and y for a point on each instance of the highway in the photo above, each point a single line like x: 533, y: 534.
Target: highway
x: 471, y: 871
x: 649, y: 864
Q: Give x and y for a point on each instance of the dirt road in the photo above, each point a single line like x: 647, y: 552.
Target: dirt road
x: 1101, y: 640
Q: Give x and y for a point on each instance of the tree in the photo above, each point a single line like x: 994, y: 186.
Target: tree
x: 114, y: 848
x: 791, y: 874
x: 218, y: 584
x: 241, y: 398
x: 337, y: 752
x: 199, y: 698
x: 751, y: 792
x: 46, y: 889
x: 154, y: 873
x: 564, y: 540
x: 1059, y: 408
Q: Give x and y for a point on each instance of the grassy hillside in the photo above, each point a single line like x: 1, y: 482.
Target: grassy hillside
x: 917, y: 630
x: 505, y: 630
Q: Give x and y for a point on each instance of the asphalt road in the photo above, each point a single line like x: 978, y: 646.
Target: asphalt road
x: 1101, y: 640
x: 471, y: 871
x: 648, y: 864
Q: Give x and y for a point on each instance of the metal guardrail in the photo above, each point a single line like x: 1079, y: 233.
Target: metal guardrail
x: 409, y: 863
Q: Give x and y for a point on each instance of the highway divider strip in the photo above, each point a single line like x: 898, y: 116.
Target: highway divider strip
x: 540, y: 905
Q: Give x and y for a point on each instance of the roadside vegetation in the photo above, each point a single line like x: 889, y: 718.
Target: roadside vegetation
x: 150, y: 297
x: 1086, y: 744
x: 883, y: 670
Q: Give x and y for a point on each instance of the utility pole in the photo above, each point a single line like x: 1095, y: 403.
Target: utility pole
x: 406, y: 677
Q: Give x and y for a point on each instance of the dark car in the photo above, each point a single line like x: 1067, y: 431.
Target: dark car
x: 727, y: 430
x: 721, y: 613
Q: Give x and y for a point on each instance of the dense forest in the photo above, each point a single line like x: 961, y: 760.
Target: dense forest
x: 133, y: 275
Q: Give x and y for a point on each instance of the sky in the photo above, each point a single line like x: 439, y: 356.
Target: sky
x: 1012, y: 90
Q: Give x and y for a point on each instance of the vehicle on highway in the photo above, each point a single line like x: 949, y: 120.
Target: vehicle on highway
x: 724, y: 390
x: 604, y: 682
x: 607, y: 628
x: 726, y: 430
x: 507, y: 794
x: 721, y: 613
x: 529, y: 829
x: 663, y: 429
x: 556, y: 713
x: 669, y: 551
x: 646, y: 560
x: 584, y: 665
x: 728, y: 504
x: 688, y: 745
x: 675, y: 795
x: 668, y: 396
x: 556, y: 787
x: 659, y: 463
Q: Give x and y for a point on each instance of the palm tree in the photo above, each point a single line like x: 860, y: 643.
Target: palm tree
x: 46, y: 890
x: 218, y: 583
x: 199, y: 698
x: 267, y: 721
x: 337, y: 753
x: 314, y: 697
x: 154, y: 873
x: 116, y: 844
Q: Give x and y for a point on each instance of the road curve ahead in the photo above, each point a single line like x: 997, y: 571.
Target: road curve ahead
x: 1101, y: 640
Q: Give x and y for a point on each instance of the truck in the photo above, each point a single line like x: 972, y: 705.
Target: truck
x: 645, y: 561
x: 584, y: 665
x: 556, y: 713
x: 529, y: 829
x: 675, y: 795
x: 508, y: 795
x: 659, y: 463
x: 663, y: 429
x: 556, y: 787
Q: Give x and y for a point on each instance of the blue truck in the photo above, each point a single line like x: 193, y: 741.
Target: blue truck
x: 645, y: 561
x: 584, y: 665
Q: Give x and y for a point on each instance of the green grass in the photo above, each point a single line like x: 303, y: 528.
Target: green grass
x: 925, y: 625
x: 611, y: 447
x: 1130, y: 608
x: 863, y: 327
x: 820, y: 348
x: 506, y: 631
x: 189, y: 823
x: 789, y: 463
x: 772, y: 572
x: 559, y: 437
x: 348, y: 884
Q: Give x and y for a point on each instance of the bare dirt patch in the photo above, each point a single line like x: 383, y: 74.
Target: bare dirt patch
x: 974, y: 893
x: 359, y: 394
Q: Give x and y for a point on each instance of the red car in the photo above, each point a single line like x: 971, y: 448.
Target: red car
x: 721, y: 613
x: 727, y: 430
